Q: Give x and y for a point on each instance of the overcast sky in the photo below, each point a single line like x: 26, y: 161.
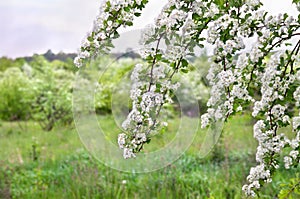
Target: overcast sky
x: 34, y: 26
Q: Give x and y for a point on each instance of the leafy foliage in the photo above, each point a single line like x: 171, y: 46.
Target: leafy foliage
x: 14, y: 95
x: 39, y: 90
x: 52, y: 103
x: 290, y: 190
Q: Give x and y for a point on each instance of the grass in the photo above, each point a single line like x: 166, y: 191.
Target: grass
x: 16, y: 143
x: 64, y: 169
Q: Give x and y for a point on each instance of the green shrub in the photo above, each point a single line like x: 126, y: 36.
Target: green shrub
x: 15, y: 95
x: 52, y: 101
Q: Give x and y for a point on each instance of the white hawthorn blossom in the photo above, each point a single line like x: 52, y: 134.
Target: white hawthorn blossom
x: 266, y: 74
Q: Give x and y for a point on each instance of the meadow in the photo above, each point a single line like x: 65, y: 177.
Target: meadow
x: 39, y: 164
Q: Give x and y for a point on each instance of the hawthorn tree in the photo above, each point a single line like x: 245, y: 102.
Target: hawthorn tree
x: 238, y: 69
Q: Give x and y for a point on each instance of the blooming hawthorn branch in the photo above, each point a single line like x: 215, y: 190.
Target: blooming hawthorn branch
x: 238, y: 77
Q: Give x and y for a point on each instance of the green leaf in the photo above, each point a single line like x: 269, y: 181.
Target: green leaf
x: 196, y: 17
x: 137, y: 14
x: 128, y: 23
x: 116, y: 35
x: 108, y: 4
x: 158, y: 57
x: 288, y: 44
x: 173, y: 65
x: 184, y: 63
x: 167, y: 41
x: 259, y: 33
x: 90, y: 38
x: 149, y: 58
x: 184, y: 70
x: 296, y: 1
x: 127, y: 9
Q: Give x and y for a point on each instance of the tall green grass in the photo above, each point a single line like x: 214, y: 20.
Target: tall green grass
x: 64, y: 169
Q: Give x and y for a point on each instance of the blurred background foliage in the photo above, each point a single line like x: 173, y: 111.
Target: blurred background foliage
x: 41, y: 90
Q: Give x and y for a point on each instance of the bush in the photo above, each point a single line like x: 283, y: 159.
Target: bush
x: 52, y: 102
x: 14, y: 95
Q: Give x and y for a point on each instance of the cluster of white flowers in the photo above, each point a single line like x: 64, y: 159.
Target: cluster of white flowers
x: 272, y: 85
x: 152, y: 89
x: 224, y: 72
x: 257, y: 173
x: 297, y: 96
x: 230, y: 79
x: 292, y: 158
x: 169, y: 20
x: 112, y: 15
x: 147, y: 101
x: 275, y: 84
x: 296, y: 123
x: 252, y: 3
